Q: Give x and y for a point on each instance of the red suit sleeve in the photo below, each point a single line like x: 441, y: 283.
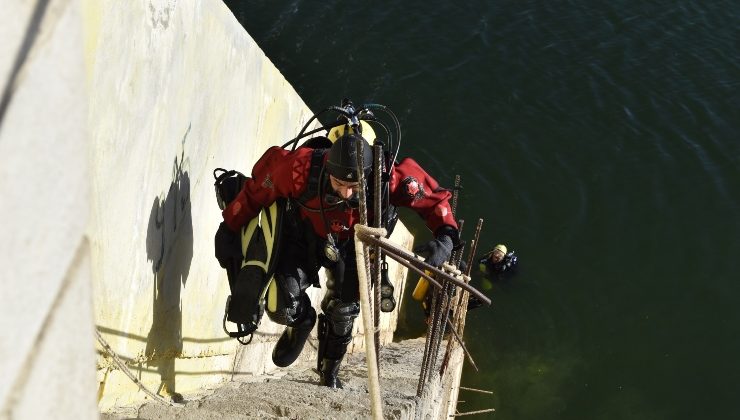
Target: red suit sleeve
x: 278, y: 173
x: 412, y: 187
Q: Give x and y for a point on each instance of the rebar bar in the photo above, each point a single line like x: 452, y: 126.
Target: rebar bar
x: 363, y: 270
x: 377, y: 217
x: 415, y: 263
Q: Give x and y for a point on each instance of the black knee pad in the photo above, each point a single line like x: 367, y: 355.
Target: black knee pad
x: 341, y: 316
x: 293, y: 304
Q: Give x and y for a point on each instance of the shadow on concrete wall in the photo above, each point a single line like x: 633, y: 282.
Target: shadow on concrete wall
x: 169, y: 246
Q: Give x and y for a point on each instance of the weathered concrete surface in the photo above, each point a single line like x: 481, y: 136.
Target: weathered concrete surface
x: 46, y: 349
x: 178, y: 89
x: 295, y: 394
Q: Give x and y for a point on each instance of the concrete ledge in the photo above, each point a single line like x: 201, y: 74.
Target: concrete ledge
x: 300, y: 395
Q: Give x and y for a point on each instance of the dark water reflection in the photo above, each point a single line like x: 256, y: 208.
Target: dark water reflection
x: 598, y: 139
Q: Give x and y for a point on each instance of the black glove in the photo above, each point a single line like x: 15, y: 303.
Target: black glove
x: 438, y: 250
x: 474, y: 302
x: 228, y: 245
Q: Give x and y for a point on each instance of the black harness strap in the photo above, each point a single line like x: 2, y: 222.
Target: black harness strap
x: 317, y: 162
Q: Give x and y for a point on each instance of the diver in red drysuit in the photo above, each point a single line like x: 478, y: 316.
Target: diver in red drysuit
x: 321, y: 187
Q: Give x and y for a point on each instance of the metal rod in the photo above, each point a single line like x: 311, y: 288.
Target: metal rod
x: 373, y: 374
x: 443, y: 304
x: 377, y: 217
x: 419, y: 265
x: 462, y: 344
x: 121, y: 365
x: 427, y: 349
x: 482, y: 391
x: 439, y: 314
x: 490, y: 410
x: 457, y: 254
x: 474, y: 246
x: 362, y: 187
x: 455, y: 194
x: 439, y: 326
x: 403, y: 262
x: 460, y: 308
x: 363, y: 271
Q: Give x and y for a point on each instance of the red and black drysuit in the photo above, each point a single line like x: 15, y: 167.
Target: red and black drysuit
x: 281, y: 173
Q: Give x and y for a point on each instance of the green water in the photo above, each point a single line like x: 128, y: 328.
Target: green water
x: 597, y: 139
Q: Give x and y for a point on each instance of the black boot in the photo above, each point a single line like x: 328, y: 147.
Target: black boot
x: 323, y: 331
x: 291, y: 343
x: 329, y: 372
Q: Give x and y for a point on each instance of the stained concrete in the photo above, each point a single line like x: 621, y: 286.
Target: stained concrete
x: 296, y: 394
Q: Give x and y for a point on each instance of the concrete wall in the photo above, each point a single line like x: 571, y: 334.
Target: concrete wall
x: 46, y: 317
x: 178, y: 89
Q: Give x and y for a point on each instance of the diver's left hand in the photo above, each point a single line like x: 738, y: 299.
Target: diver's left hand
x: 437, y: 251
